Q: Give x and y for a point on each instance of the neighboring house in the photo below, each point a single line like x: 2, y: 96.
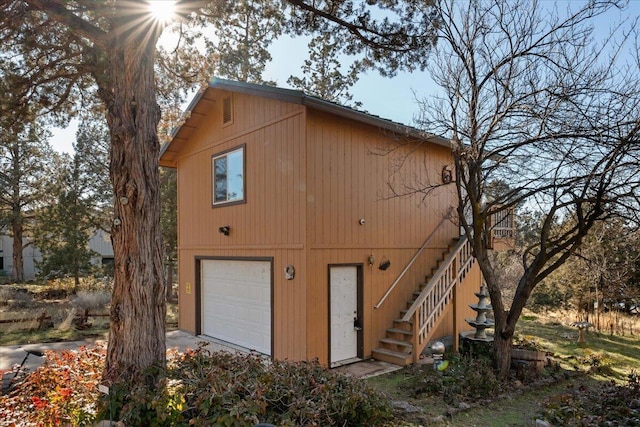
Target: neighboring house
x: 100, y: 242
x: 287, y: 237
x: 30, y: 256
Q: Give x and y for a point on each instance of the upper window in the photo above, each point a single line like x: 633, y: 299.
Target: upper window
x: 228, y: 176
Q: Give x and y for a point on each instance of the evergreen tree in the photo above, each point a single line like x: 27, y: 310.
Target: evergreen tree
x: 169, y: 224
x: 65, y: 50
x: 242, y: 40
x: 323, y: 72
x: 65, y: 226
x: 25, y: 177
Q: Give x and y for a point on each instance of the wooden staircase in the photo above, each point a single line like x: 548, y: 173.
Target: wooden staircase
x: 407, y: 338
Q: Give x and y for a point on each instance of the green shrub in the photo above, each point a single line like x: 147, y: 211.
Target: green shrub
x: 197, y: 388
x: 242, y: 390
x: 596, y: 363
x: 607, y: 405
x: 465, y: 378
x: 527, y: 342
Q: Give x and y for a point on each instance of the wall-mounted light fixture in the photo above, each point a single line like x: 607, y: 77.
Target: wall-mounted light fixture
x: 225, y: 229
x: 371, y: 259
x: 289, y: 272
x: 361, y: 221
x: 447, y: 175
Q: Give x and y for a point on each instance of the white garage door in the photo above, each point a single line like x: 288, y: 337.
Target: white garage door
x: 236, y: 302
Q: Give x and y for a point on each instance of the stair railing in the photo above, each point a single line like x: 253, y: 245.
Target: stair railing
x: 432, y: 301
x: 415, y: 257
x: 501, y: 225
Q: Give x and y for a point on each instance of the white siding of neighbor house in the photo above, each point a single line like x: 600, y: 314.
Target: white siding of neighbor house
x: 100, y: 242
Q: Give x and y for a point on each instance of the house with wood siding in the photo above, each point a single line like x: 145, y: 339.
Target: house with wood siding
x: 289, y: 243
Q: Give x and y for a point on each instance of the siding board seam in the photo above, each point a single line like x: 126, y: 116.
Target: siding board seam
x: 241, y: 134
x: 239, y: 247
x: 336, y: 246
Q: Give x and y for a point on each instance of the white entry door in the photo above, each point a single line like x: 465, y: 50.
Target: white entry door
x: 344, y: 314
x: 236, y: 302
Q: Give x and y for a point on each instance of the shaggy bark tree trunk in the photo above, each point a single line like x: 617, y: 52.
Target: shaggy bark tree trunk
x: 137, y: 336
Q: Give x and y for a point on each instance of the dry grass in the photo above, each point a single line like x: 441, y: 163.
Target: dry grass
x: 55, y: 299
x: 604, y: 358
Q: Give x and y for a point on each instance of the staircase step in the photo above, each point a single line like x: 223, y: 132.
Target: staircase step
x: 390, y: 356
x: 406, y: 346
x: 400, y: 324
x: 401, y: 332
x: 396, y: 348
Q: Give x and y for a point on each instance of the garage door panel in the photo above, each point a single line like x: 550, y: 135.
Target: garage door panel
x: 236, y: 302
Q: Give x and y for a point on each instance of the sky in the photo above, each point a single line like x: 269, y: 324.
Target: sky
x: 390, y: 98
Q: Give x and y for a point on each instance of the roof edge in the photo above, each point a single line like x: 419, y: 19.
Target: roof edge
x: 298, y: 97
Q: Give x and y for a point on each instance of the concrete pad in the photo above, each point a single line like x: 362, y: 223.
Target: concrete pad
x: 14, y: 354
x: 180, y: 340
x: 367, y: 369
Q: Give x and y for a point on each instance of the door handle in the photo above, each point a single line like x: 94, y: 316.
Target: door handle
x: 356, y: 324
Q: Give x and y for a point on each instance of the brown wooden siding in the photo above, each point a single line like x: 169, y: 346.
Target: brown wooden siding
x: 273, y: 212
x: 350, y: 167
x: 270, y: 223
x: 310, y: 178
x: 349, y: 179
x: 289, y: 296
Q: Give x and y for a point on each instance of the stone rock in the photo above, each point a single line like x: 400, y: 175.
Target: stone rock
x: 406, y: 407
x: 542, y: 423
x: 463, y: 406
x: 440, y: 419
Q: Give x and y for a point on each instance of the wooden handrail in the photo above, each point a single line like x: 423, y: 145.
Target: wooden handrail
x: 432, y: 301
x: 444, y: 268
x: 415, y: 257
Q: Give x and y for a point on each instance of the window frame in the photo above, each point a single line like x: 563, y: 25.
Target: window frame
x: 226, y: 153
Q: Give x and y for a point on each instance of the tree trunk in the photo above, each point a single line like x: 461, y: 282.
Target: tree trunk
x: 169, y: 279
x: 137, y: 335
x: 502, y: 353
x: 17, y: 270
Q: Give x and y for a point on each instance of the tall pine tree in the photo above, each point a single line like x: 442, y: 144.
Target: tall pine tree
x: 65, y: 226
x: 26, y: 179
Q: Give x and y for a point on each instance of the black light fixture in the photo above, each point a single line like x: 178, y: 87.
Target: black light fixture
x: 225, y: 229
